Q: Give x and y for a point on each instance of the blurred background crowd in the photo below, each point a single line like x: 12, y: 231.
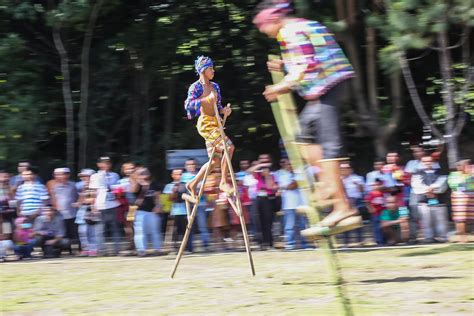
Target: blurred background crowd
x: 130, y: 213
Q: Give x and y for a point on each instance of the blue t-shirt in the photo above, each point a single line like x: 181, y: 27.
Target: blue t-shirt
x: 178, y: 208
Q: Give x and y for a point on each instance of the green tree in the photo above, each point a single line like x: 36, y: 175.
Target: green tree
x: 425, y: 26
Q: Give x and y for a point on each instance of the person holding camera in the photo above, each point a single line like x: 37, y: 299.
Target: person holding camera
x: 87, y: 216
x: 147, y: 219
x: 175, y: 191
x: 267, y: 188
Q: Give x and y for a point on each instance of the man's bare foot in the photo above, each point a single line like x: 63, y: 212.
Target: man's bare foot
x: 323, y: 191
x: 317, y: 231
x: 336, y: 216
x: 226, y: 188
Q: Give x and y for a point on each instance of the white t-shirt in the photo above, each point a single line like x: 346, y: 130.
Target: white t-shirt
x: 103, y: 182
x: 290, y: 199
x: 251, y: 183
x: 351, y: 185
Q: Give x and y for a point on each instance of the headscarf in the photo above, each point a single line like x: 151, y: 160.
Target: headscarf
x: 202, y: 63
x: 273, y: 13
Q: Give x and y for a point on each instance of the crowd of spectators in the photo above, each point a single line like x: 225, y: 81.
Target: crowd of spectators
x: 108, y: 214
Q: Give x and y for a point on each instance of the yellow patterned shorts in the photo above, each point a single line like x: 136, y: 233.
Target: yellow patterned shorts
x: 207, y: 127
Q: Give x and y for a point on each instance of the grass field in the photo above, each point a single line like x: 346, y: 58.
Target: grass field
x: 436, y: 279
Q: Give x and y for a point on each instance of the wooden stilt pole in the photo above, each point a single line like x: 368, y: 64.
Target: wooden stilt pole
x: 191, y: 218
x: 286, y: 118
x: 236, y: 194
x: 237, y: 204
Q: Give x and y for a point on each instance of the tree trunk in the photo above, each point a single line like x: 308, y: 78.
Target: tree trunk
x: 385, y: 132
x: 136, y: 111
x: 371, y: 61
x: 415, y: 98
x: 169, y: 111
x: 67, y: 96
x: 364, y: 118
x: 468, y: 76
x: 445, y: 64
x: 86, y: 46
x: 146, y: 132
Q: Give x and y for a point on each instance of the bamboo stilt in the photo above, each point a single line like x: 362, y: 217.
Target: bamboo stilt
x: 237, y: 203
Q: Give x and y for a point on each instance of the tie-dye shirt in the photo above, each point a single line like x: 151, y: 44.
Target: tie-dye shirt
x: 313, y: 60
x: 192, y: 105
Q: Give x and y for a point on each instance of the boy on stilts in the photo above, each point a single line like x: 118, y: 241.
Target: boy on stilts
x: 202, y: 96
x: 318, y: 70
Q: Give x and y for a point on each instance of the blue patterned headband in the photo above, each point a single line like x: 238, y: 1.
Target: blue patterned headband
x: 202, y: 63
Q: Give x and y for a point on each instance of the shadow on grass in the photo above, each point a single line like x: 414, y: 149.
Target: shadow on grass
x: 408, y: 279
x: 435, y: 251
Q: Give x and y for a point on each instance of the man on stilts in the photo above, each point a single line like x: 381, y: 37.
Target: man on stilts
x: 318, y: 70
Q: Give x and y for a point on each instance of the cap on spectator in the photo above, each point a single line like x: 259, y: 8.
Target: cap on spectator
x: 104, y: 159
x: 62, y: 170
x: 86, y: 173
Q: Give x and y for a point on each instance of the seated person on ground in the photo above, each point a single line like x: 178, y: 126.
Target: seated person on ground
x: 394, y: 222
x: 49, y: 233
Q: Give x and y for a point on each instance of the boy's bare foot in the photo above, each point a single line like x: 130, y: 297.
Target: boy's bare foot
x: 188, y: 198
x: 192, y: 193
x: 226, y: 188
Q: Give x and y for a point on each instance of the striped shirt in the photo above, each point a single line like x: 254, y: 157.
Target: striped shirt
x: 314, y: 62
x: 192, y: 105
x: 32, y: 197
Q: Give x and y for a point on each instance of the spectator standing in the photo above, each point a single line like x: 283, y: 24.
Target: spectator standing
x: 147, y: 220
x: 251, y: 183
x: 88, y: 217
x: 49, y: 233
x: 375, y: 202
x: 126, y: 198
x: 106, y: 202
x: 412, y: 167
x: 429, y: 183
x: 293, y: 222
x: 461, y: 183
x: 378, y: 174
x: 175, y: 190
x: 7, y: 212
x: 31, y: 196
x: 63, y: 198
x: 400, y: 181
x: 191, y: 170
x: 165, y: 206
x: 17, y: 180
x: 394, y: 222
x: 354, y: 185
x: 266, y: 190
x: 244, y: 165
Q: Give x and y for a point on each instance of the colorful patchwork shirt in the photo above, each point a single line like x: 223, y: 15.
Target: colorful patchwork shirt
x: 192, y: 105
x: 314, y: 62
